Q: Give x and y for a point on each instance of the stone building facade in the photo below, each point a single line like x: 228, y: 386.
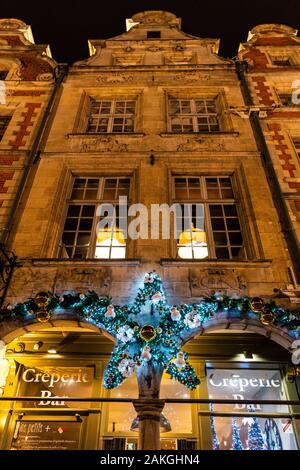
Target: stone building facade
x: 157, y: 115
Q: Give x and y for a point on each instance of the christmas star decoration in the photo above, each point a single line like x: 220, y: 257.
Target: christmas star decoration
x: 149, y: 333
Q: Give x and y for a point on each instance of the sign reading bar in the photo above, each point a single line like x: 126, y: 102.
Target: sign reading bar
x: 46, y: 435
x: 55, y: 385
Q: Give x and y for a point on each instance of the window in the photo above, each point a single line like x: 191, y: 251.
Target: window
x: 80, y: 238
x: 153, y: 34
x: 286, y: 99
x: 3, y: 74
x: 296, y: 143
x: 112, y: 116
x: 4, y: 121
x: 251, y: 428
x: 282, y: 61
x: 195, y: 115
x: 209, y: 217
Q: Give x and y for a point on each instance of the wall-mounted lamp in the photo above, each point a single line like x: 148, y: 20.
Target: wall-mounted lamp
x: 291, y: 373
x: 38, y: 345
x: 19, y: 348
x: 52, y: 351
x: 248, y: 355
x: 78, y: 417
x: 152, y: 158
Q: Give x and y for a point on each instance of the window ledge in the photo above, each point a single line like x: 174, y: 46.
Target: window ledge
x: 204, y: 134
x: 265, y: 263
x: 103, y: 134
x: 88, y: 262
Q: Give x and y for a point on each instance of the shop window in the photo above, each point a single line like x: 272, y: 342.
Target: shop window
x: 245, y: 429
x: 81, y: 236
x: 193, y: 115
x: 176, y: 418
x: 208, y: 223
x: 117, y: 116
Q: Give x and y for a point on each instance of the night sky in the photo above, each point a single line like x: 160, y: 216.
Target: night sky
x: 67, y: 24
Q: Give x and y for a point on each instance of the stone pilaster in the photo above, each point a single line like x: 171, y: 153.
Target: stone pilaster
x: 149, y: 413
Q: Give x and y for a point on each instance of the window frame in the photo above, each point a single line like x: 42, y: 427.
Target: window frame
x: 111, y: 116
x: 211, y: 246
x: 85, y: 202
x: 194, y: 115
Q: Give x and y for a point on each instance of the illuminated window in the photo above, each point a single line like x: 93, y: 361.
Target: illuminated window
x: 193, y: 115
x: 111, y: 116
x: 80, y: 238
x: 4, y: 121
x: 209, y: 219
x: 250, y: 428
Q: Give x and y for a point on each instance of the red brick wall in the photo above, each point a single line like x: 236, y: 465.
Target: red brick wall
x: 263, y: 91
x: 284, y: 154
x: 25, y: 125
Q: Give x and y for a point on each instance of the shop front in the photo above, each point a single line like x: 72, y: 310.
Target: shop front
x: 60, y: 402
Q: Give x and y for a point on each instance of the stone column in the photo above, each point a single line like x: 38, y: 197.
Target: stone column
x: 149, y: 413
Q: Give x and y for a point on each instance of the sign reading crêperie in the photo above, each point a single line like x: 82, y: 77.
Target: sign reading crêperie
x: 245, y: 384
x: 55, y: 385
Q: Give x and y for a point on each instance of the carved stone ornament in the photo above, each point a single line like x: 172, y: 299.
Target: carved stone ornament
x: 82, y: 280
x: 156, y: 18
x: 193, y: 145
x: 191, y: 77
x: 12, y: 23
x: 102, y: 144
x: 115, y: 78
x: 216, y: 280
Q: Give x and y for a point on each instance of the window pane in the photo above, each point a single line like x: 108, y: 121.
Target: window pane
x: 68, y: 238
x: 79, y: 182
x: 92, y: 183
x: 222, y: 253
x: 227, y: 193
x: 77, y: 194
x: 235, y: 238
x: 118, y: 252
x: 83, y: 239
x: 215, y: 210
x: 90, y: 194
x: 194, y: 188
x: 181, y: 191
x: 85, y: 224
x: 230, y: 210
x: 71, y: 224
x: 80, y: 252
x: 233, y: 224
x: 220, y: 238
x: 87, y: 211
x: 217, y: 224
x: 73, y: 211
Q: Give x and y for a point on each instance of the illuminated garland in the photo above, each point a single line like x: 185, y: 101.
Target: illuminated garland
x: 149, y: 329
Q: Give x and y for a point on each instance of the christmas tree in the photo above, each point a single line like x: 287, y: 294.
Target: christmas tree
x: 216, y: 445
x: 255, y: 440
x: 236, y: 441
